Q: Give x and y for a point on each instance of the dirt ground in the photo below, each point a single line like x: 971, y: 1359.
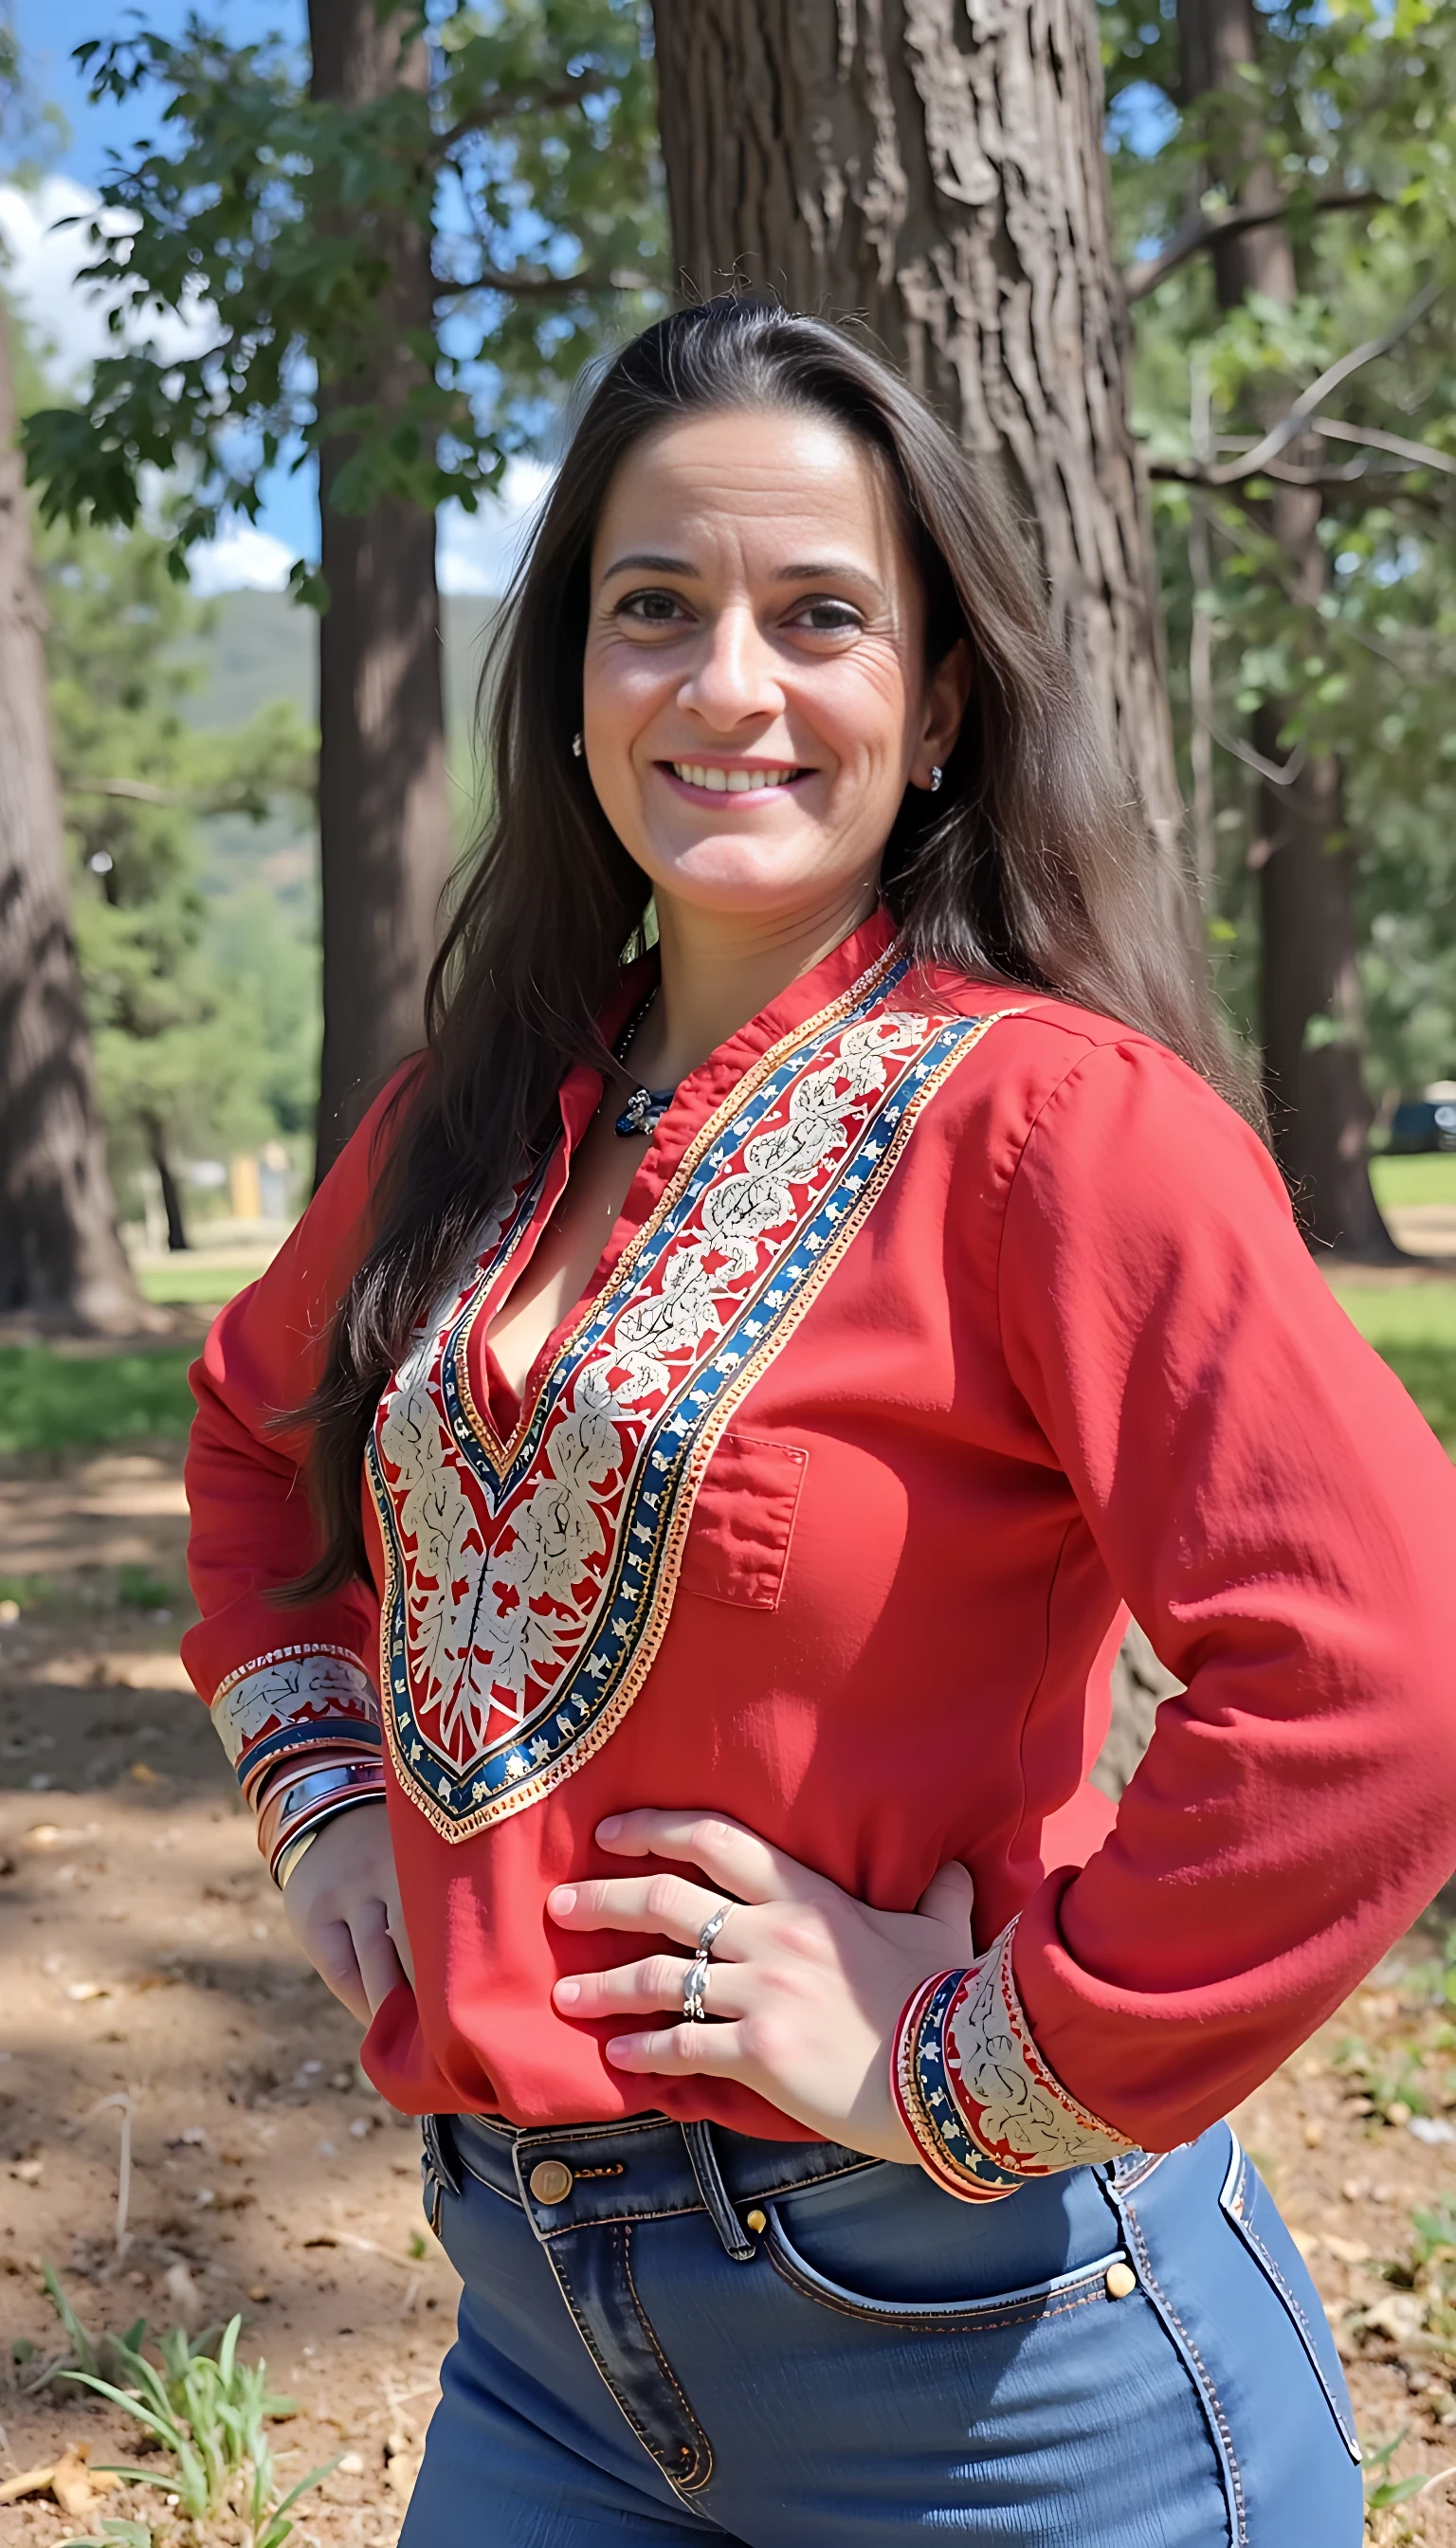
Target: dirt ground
x: 150, y: 1988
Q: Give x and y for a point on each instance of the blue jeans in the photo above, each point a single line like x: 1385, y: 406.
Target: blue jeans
x: 672, y: 2332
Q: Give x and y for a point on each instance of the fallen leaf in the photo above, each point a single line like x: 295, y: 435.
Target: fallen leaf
x: 34, y: 2481
x: 144, y: 1774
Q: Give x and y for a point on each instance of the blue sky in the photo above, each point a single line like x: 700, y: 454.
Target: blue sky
x: 474, y: 556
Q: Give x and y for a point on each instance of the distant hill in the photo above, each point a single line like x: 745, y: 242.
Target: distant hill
x: 264, y: 647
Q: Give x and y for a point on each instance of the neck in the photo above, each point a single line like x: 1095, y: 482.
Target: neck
x: 718, y: 972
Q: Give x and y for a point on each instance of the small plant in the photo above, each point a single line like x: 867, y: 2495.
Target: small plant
x: 1390, y: 2082
x: 139, y: 1589
x: 208, y: 2412
x: 83, y: 2351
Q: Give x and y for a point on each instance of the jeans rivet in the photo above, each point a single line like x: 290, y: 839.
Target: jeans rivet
x: 1119, y: 2281
x: 551, y: 2180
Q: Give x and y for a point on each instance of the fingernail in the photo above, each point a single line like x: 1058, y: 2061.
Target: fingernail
x: 566, y: 1994
x: 619, y: 2044
x: 609, y: 1829
x: 562, y: 1897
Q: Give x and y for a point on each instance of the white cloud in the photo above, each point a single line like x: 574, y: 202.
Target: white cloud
x: 478, y: 551
x: 68, y: 318
x: 243, y: 555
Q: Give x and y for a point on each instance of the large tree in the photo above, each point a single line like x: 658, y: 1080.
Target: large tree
x: 1283, y: 176
x: 391, y: 257
x: 61, y: 1259
x: 939, y: 173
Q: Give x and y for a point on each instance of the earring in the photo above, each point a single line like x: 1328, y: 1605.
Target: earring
x: 936, y: 777
x: 577, y: 747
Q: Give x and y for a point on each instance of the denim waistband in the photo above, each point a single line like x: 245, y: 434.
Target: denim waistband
x: 571, y: 2176
x: 574, y: 2176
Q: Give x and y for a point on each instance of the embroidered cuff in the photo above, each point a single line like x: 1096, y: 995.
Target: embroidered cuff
x: 985, y: 2111
x: 293, y: 1700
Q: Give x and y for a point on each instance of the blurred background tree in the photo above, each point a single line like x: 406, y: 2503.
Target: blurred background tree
x: 1285, y: 190
x: 192, y: 1052
x: 61, y: 1258
x: 409, y: 242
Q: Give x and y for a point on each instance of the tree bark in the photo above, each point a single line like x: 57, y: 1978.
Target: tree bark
x: 1311, y: 1016
x: 61, y: 1258
x: 384, y: 819
x: 935, y: 168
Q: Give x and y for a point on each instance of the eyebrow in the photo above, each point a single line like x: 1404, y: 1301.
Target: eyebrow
x: 812, y: 570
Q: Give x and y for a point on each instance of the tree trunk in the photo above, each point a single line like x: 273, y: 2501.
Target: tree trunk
x: 60, y: 1256
x: 1311, y: 1019
x: 177, y: 1240
x: 384, y: 819
x: 938, y: 170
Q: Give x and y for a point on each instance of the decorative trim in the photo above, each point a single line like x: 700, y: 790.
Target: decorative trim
x: 529, y: 1581
x: 293, y: 1699
x: 984, y: 2110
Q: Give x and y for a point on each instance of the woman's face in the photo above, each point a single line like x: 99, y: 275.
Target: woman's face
x: 755, y: 691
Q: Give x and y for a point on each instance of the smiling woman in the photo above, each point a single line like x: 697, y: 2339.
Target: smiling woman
x: 750, y: 1372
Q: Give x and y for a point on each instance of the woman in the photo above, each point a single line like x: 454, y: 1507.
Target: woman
x: 748, y: 1377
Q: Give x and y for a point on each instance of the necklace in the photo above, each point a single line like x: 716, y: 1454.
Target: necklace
x: 646, y: 1107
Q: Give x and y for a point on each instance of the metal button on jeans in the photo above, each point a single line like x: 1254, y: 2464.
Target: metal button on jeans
x: 551, y: 2180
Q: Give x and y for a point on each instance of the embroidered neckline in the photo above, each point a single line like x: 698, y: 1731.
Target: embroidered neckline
x: 530, y: 1583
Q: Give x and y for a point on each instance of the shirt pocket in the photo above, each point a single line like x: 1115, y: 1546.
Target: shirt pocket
x: 742, y: 1520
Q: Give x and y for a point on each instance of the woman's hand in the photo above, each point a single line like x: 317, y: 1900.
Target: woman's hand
x: 342, y: 1904
x: 810, y: 1982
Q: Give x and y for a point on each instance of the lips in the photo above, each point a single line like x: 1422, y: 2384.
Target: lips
x: 730, y: 782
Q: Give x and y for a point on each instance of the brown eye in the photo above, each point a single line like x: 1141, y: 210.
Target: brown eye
x: 652, y: 609
x: 826, y: 618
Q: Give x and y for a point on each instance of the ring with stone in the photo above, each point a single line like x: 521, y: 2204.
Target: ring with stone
x: 694, y: 1986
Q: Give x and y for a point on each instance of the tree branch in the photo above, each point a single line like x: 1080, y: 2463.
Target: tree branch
x: 1254, y: 463
x: 1202, y: 230
x: 538, y: 283
x: 1421, y: 455
x: 519, y: 101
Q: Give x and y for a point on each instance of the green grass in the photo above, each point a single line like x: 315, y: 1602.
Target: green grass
x: 182, y: 1282
x: 1413, y: 1327
x: 1428, y: 1177
x: 52, y: 1402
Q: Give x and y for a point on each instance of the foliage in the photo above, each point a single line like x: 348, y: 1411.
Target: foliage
x: 186, y: 1052
x: 1351, y: 104
x: 208, y: 2412
x: 258, y: 218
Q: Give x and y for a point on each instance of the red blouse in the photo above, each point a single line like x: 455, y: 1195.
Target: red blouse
x: 939, y: 1321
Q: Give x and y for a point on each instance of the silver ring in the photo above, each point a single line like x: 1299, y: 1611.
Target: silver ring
x: 710, y: 1927
x: 694, y: 1986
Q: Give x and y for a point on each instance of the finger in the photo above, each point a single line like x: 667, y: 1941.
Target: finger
x: 394, y: 1914
x: 680, y: 2049
x: 949, y: 1897
x: 330, y: 1951
x: 665, y: 1906
x: 379, y: 1969
x: 636, y: 1990
x: 728, y: 1852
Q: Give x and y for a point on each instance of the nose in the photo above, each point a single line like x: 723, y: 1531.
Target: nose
x: 735, y: 677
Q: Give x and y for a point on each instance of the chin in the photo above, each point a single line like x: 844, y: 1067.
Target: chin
x: 734, y: 874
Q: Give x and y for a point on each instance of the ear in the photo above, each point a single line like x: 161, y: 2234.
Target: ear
x: 947, y: 696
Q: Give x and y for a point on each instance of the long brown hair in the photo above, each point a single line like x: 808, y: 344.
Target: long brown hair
x: 1032, y: 865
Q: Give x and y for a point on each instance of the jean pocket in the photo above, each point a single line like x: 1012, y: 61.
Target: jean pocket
x: 896, y: 2264
x: 1251, y: 2213
x: 743, y: 1517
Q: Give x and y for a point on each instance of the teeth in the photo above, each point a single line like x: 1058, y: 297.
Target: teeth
x: 732, y: 782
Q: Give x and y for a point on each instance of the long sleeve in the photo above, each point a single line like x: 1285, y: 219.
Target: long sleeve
x: 280, y: 1680
x: 1283, y: 1524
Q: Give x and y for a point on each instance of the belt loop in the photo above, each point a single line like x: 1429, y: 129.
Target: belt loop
x: 699, y: 2140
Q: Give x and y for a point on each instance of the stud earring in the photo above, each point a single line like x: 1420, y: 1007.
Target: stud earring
x: 936, y: 777
x: 577, y: 747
